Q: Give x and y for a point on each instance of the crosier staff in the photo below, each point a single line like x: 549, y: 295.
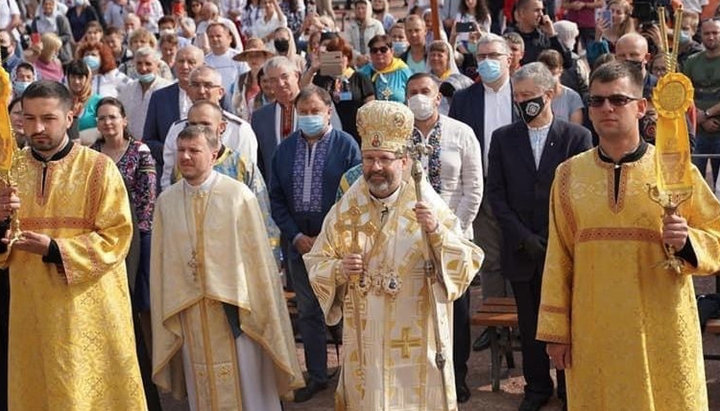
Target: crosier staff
x: 417, y: 151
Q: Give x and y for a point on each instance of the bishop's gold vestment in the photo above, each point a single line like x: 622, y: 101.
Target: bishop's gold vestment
x: 398, y: 338
x: 72, y: 345
x: 235, y: 267
x: 632, y: 324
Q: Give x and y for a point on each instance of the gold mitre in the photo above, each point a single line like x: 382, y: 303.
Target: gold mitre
x: 385, y: 125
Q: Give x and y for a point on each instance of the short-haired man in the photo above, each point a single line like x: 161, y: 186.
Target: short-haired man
x: 523, y: 158
x: 486, y: 106
x: 624, y: 326
x: 221, y: 55
x: 135, y: 96
x: 205, y: 84
x: 517, y: 49
x: 537, y: 31
x: 306, y: 170
x: 8, y: 44
x: 454, y: 169
x: 217, y: 300
x: 416, y: 55
x: 170, y: 104
x: 70, y: 316
x: 701, y: 69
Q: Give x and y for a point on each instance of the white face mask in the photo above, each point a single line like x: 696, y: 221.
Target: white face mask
x: 422, y: 106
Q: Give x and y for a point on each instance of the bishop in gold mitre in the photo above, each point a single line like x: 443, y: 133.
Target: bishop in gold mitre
x: 374, y: 233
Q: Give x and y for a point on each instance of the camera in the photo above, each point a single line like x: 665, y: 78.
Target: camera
x: 646, y: 11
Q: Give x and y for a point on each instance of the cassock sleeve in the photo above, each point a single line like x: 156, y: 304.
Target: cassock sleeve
x: 703, y: 216
x: 457, y: 259
x: 86, y: 257
x: 324, y: 265
x: 556, y: 295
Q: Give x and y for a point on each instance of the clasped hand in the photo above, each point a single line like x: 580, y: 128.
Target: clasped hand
x: 675, y: 231
x: 425, y: 217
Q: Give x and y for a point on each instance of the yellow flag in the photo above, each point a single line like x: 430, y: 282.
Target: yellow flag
x: 7, y: 140
x: 672, y: 97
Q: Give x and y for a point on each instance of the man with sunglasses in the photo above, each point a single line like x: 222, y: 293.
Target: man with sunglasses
x: 523, y: 158
x: 622, y: 325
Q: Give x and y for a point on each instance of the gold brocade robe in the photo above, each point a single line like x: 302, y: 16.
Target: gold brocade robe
x: 236, y: 267
x: 632, y: 324
x: 398, y: 337
x: 72, y: 345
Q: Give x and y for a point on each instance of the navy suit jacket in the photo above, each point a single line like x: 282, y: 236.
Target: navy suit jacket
x: 519, y: 193
x: 263, y: 124
x: 468, y: 106
x: 163, y: 111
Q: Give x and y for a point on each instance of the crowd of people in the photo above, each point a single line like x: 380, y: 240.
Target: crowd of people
x: 260, y: 145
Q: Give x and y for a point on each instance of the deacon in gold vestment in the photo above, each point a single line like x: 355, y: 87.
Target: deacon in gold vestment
x: 623, y: 326
x: 221, y: 329
x: 394, y: 312
x: 72, y: 345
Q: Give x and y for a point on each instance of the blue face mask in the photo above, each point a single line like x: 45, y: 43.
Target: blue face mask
x: 146, y: 78
x: 20, y: 86
x: 311, y: 125
x: 399, y: 47
x: 472, y: 48
x: 489, y: 70
x: 92, y: 61
x: 684, y: 37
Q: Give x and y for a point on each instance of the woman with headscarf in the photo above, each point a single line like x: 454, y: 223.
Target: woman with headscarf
x: 388, y: 74
x: 381, y: 13
x: 283, y: 44
x: 79, y: 81
x: 441, y: 61
x: 51, y: 20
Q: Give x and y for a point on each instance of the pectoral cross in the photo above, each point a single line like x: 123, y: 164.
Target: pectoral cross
x: 405, y: 343
x: 386, y: 93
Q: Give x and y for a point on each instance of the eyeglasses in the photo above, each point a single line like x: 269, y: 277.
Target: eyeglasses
x: 492, y: 56
x: 207, y: 86
x: 616, y: 100
x: 384, y: 162
x: 381, y: 49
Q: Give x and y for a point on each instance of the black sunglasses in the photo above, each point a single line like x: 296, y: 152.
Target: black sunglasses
x: 616, y: 100
x: 381, y: 49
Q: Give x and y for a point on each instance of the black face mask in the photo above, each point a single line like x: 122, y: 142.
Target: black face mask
x: 4, y: 53
x: 530, y: 109
x: 378, y: 11
x: 636, y: 65
x: 282, y: 46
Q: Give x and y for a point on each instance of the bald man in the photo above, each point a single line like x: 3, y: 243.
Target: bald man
x: 170, y: 104
x: 633, y: 48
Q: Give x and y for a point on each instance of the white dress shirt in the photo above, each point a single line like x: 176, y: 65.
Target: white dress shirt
x: 461, y: 182
x: 498, y: 113
x: 238, y: 136
x: 136, y: 103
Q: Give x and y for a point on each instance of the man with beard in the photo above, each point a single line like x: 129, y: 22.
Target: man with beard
x: 72, y: 344
x: 702, y: 71
x: 373, y: 235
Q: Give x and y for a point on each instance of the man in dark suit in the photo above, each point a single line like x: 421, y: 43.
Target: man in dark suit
x: 274, y: 122
x: 486, y: 106
x: 523, y: 157
x: 170, y: 104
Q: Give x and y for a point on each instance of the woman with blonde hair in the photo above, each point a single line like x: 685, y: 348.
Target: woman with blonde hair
x: 608, y: 32
x: 140, y: 38
x: 48, y: 66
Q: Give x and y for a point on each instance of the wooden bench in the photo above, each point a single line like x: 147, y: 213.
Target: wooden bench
x: 499, y: 315
x: 712, y: 327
